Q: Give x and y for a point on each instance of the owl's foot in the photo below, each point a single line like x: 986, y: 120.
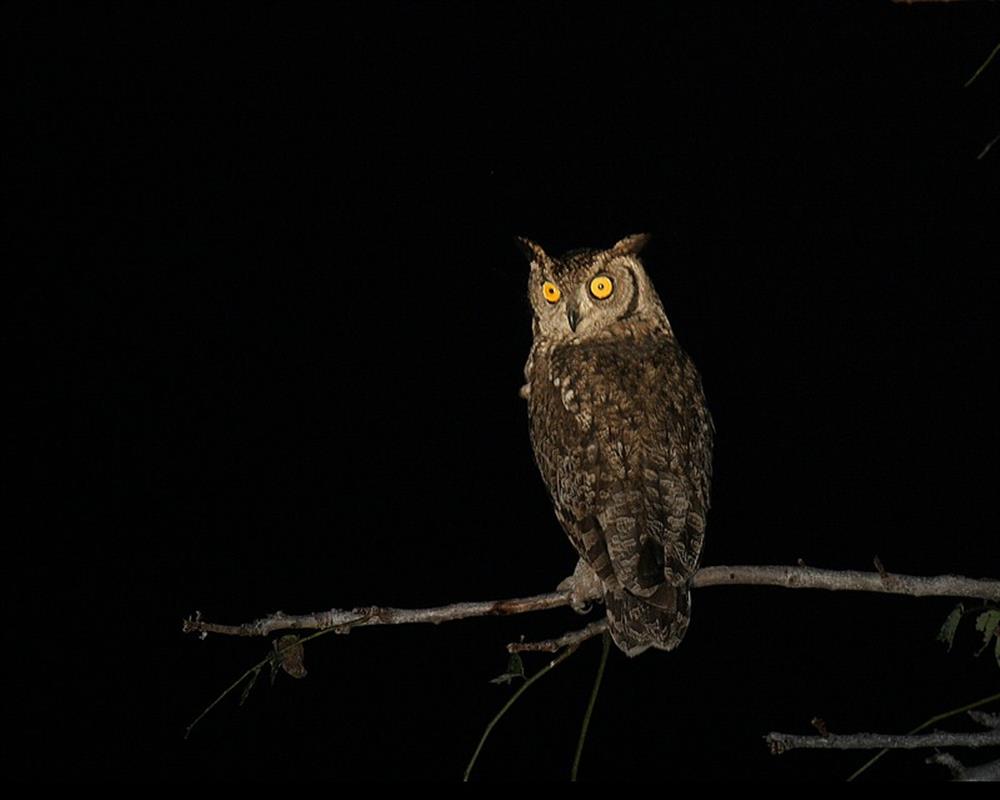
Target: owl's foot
x: 583, y: 587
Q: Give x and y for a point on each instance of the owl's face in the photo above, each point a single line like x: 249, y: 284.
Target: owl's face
x: 584, y: 292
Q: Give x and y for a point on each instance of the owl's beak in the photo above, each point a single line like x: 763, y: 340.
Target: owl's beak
x: 573, y: 315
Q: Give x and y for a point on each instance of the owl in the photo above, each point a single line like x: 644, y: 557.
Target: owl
x: 621, y: 436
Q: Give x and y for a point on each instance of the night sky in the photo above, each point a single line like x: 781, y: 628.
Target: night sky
x: 269, y: 324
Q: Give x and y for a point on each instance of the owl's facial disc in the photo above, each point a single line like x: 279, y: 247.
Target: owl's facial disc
x: 584, y: 293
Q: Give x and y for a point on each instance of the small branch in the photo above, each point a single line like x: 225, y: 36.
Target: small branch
x: 788, y: 577
x: 989, y: 771
x: 986, y: 719
x: 555, y: 645
x: 968, y: 707
x: 783, y: 742
x: 947, y: 760
x: 959, y: 772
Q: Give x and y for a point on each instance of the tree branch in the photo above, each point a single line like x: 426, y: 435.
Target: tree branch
x: 989, y: 771
x: 783, y: 742
x: 788, y: 577
x: 557, y: 644
x: 345, y: 620
x: 849, y: 581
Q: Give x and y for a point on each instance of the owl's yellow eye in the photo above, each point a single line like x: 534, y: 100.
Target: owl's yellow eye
x: 601, y: 287
x: 551, y: 292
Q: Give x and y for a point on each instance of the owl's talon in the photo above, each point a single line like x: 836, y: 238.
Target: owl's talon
x: 583, y: 587
x: 579, y: 603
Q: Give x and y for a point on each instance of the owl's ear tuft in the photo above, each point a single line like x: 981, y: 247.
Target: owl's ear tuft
x: 631, y: 244
x: 532, y: 251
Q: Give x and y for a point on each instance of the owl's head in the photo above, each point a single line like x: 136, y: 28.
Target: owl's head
x: 585, y: 292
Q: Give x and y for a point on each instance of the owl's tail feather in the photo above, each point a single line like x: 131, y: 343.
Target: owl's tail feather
x: 638, y: 623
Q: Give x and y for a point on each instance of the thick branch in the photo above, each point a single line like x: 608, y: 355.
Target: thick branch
x: 849, y: 581
x: 788, y: 577
x: 376, y: 615
x: 783, y: 742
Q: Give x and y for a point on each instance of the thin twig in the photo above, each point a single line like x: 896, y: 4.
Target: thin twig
x: 983, y: 66
x: 785, y: 576
x: 506, y: 706
x: 606, y: 646
x: 557, y: 644
x: 783, y: 742
x: 252, y: 673
x: 989, y: 144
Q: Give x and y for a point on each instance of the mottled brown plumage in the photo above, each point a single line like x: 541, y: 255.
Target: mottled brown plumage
x: 621, y: 436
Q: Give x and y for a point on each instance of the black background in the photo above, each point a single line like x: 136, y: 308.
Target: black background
x: 269, y: 325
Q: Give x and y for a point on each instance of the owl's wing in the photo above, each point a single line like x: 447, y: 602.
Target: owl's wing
x: 645, y: 467
x: 665, y: 468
